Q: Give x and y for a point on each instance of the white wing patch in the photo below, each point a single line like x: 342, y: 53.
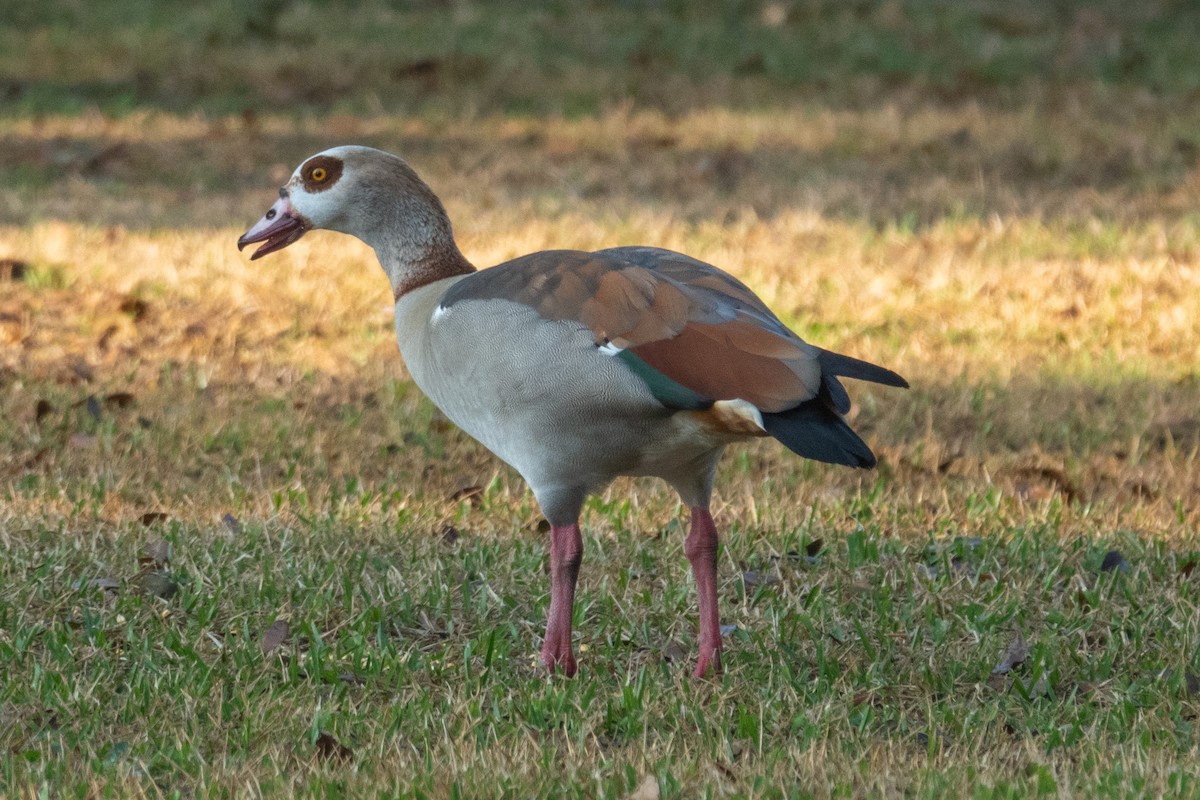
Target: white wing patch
x: 609, y: 349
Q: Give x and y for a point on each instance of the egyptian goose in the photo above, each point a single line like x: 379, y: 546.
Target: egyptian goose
x: 578, y: 367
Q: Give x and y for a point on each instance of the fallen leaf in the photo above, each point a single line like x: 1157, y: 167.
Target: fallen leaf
x: 118, y: 400
x: 134, y: 307
x: 155, y: 555
x: 275, y: 636
x: 1113, y: 560
x: 330, y: 749
x: 157, y: 583
x: 473, y: 494
x: 1056, y: 476
x: 82, y: 370
x: 1188, y: 568
x: 675, y: 652
x: 154, y: 517
x: 814, y: 547
x: 36, y: 458
x: 752, y: 579
x: 439, y: 422
x: 43, y: 408
x: 12, y: 269
x: 1017, y: 652
x: 107, y: 584
x: 646, y: 790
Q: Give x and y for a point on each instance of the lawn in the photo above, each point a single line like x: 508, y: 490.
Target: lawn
x: 244, y: 556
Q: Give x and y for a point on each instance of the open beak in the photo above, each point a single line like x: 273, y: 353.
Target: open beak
x: 279, y: 227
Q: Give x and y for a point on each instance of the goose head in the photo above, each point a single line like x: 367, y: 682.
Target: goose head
x: 371, y: 195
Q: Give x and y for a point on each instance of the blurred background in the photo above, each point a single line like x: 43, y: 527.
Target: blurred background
x: 903, y: 111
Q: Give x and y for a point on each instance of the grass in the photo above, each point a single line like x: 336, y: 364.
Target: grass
x: 557, y: 58
x: 999, y: 204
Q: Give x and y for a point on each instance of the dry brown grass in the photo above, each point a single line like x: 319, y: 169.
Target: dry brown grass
x: 1057, y: 322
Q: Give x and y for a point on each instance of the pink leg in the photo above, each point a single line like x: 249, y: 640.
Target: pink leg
x: 566, y: 554
x: 701, y: 550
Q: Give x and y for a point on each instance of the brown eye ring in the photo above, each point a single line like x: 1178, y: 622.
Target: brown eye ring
x: 321, y: 172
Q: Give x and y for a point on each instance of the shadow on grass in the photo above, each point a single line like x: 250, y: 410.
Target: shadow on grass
x: 948, y: 167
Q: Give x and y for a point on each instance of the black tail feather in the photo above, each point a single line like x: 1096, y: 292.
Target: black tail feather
x: 815, y: 431
x: 847, y: 367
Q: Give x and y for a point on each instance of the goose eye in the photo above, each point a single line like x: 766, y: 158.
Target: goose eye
x: 321, y: 173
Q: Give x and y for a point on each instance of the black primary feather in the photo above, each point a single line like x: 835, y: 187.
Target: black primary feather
x: 814, y: 430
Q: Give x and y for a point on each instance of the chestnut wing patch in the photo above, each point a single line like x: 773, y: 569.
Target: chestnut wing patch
x: 693, y: 333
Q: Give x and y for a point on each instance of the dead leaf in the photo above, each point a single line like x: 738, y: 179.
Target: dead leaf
x: 36, y: 458
x: 107, y: 584
x: 752, y: 579
x: 275, y: 636
x: 43, y: 408
x: 82, y: 370
x: 814, y: 547
x: 474, y: 494
x: 154, y: 517
x: 330, y: 749
x: 1015, y: 655
x: 118, y: 400
x: 1188, y: 568
x: 12, y: 269
x: 156, y: 583
x: 646, y: 790
x: 134, y: 307
x: 1054, y: 475
x: 675, y: 652
x: 156, y: 554
x: 1113, y: 560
